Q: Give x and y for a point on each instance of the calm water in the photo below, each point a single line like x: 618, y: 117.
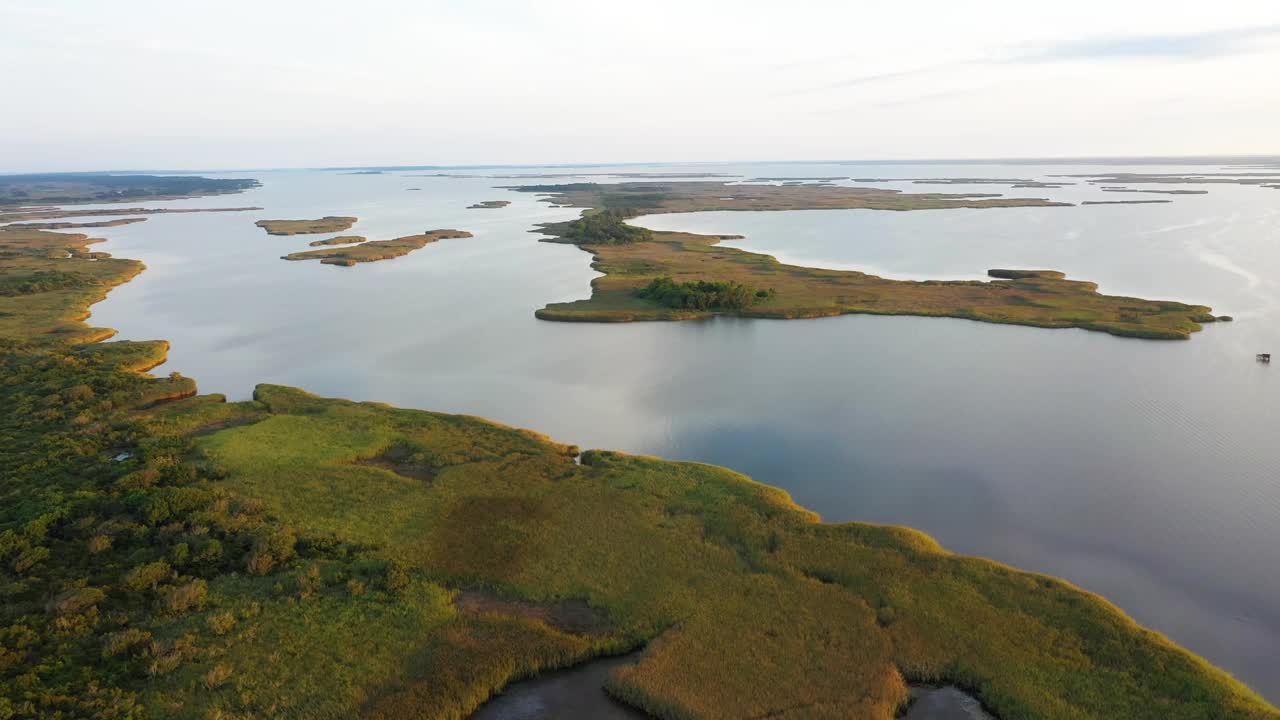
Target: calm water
x: 1146, y: 471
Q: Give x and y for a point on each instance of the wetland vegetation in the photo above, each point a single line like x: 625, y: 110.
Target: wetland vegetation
x: 633, y: 258
x: 72, y: 225
x: 66, y: 188
x: 672, y: 197
x: 1011, y: 182
x: 1210, y: 178
x: 375, y: 250
x: 1126, y: 202
x: 168, y: 555
x: 338, y: 240
x: 172, y: 555
x: 326, y: 224
x: 48, y: 213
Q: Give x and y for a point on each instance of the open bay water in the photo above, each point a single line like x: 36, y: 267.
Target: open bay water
x: 1146, y: 471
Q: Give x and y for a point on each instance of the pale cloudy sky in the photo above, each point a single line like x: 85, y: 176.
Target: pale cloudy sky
x: 92, y: 84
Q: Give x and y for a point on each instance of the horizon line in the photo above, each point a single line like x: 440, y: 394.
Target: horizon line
x: 1198, y: 159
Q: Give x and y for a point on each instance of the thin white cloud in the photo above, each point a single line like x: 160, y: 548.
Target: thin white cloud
x: 1173, y: 46
x: 323, y: 82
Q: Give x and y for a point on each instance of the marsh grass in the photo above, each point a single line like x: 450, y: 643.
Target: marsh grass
x: 194, y: 558
x: 749, y: 605
x: 326, y: 224
x: 375, y: 250
x: 1039, y: 298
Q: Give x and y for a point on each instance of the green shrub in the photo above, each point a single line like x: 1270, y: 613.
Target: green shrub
x: 145, y: 577
x: 702, y: 294
x: 608, y: 227
x: 188, y: 596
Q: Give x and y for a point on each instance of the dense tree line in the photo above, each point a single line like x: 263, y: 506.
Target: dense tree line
x: 40, y: 281
x: 607, y: 227
x: 703, y: 294
x: 81, y: 187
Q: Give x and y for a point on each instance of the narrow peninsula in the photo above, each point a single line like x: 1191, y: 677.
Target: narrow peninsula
x: 91, y: 187
x: 45, y: 213
x: 170, y: 555
x: 338, y: 240
x: 682, y: 276
x: 376, y: 250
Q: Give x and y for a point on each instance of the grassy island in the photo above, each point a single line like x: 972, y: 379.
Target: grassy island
x: 326, y: 224
x: 489, y: 205
x: 375, y: 250
x: 1125, y: 202
x: 632, y: 258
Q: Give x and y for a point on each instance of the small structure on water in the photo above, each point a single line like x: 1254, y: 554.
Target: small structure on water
x: 1264, y: 357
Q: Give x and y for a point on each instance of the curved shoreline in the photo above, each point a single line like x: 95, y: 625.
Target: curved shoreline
x: 609, y: 471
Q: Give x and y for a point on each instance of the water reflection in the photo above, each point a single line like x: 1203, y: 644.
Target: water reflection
x: 1148, y: 472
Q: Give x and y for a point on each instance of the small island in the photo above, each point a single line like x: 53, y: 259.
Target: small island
x: 489, y: 205
x: 1154, y: 192
x: 326, y: 224
x: 682, y: 276
x: 1125, y: 202
x: 376, y: 250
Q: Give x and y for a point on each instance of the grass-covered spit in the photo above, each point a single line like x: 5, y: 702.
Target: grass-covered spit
x: 633, y: 258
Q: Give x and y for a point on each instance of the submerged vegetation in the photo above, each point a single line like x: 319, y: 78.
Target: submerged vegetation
x: 632, y: 262
x: 375, y: 250
x: 168, y: 555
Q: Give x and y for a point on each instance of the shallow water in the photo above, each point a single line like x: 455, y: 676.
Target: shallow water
x: 573, y: 694
x: 577, y: 693
x: 944, y: 703
x: 1146, y: 471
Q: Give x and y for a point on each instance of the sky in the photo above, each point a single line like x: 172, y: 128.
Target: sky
x: 133, y: 84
